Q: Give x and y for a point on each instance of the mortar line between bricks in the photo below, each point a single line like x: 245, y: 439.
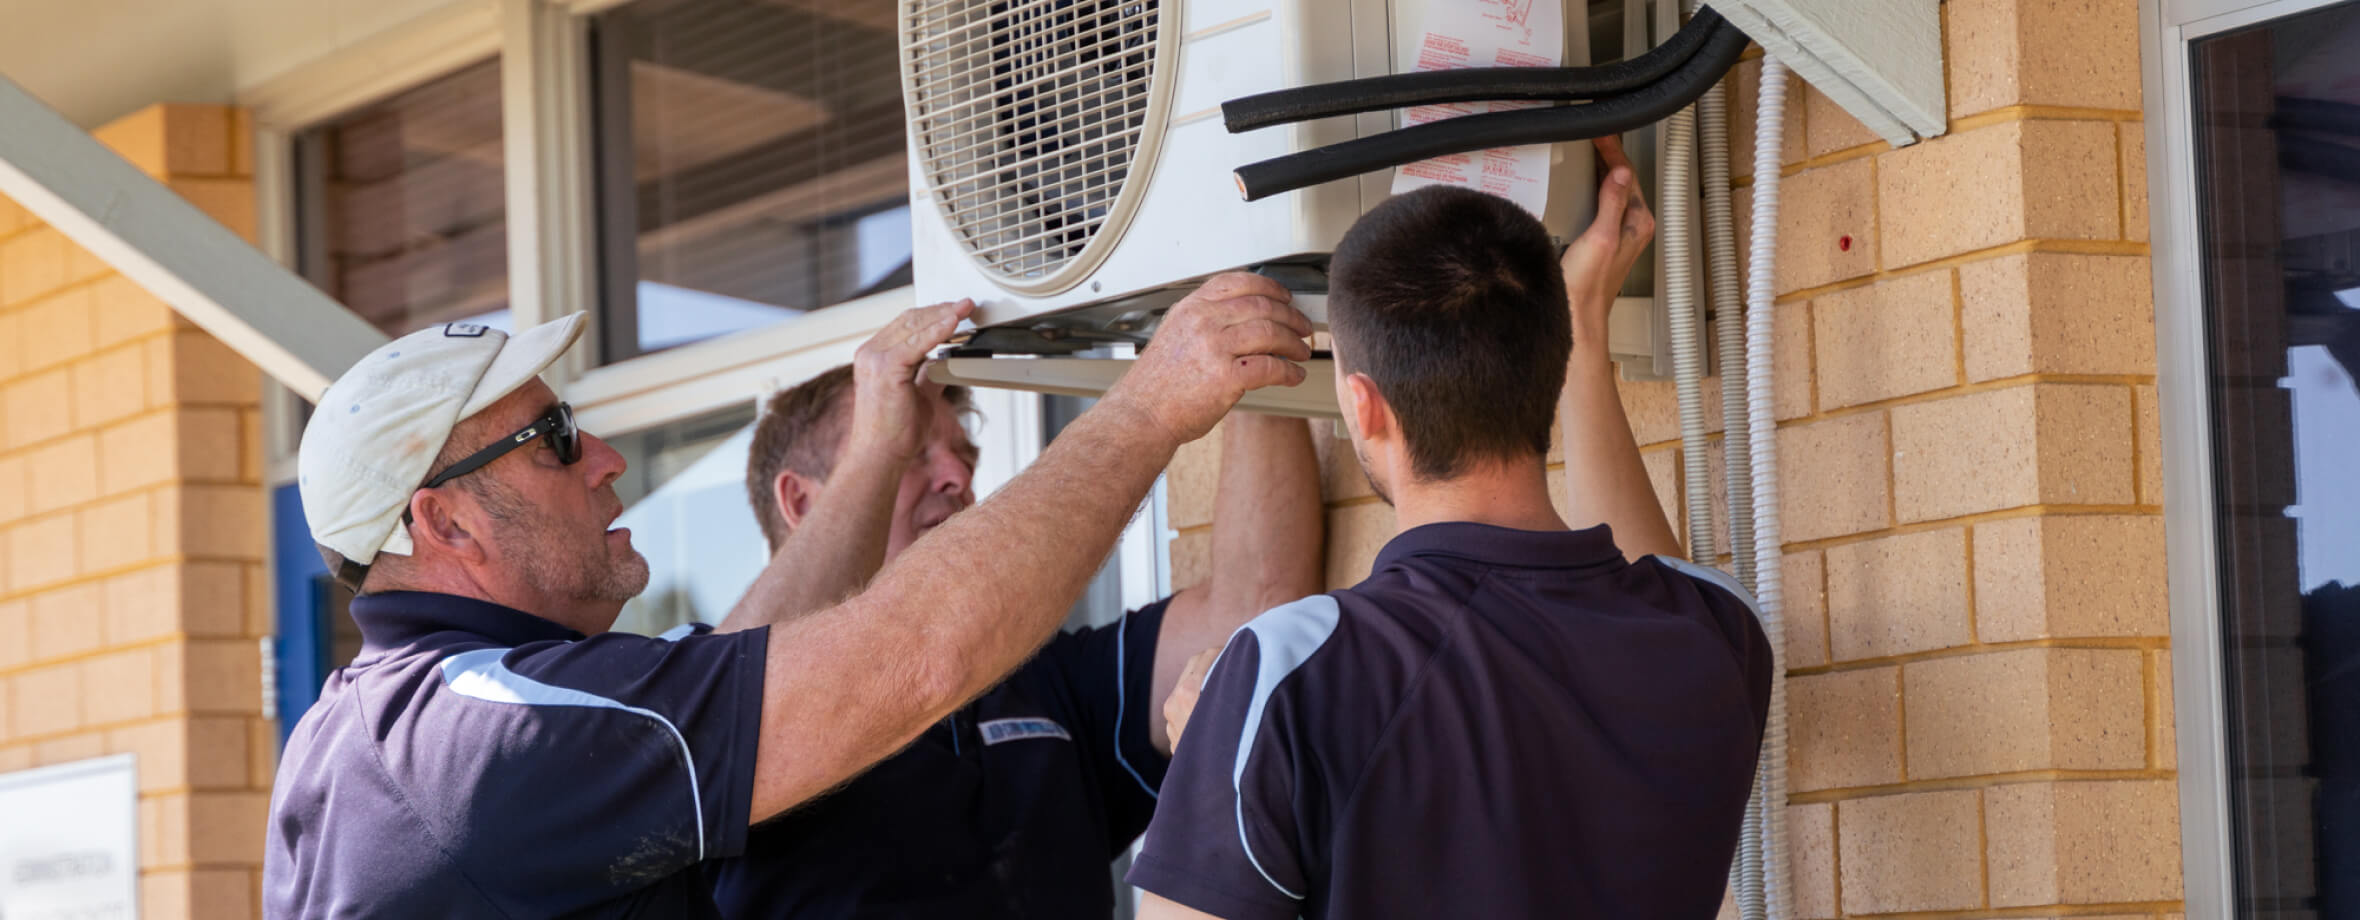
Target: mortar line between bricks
x: 35, y: 664
x: 19, y: 305
x: 1983, y: 846
x: 2003, y: 250
x: 2081, y: 643
x: 28, y: 229
x: 1958, y: 324
x: 27, y: 593
x: 138, y: 342
x: 1985, y: 119
x: 183, y: 714
x: 2009, y: 113
x: 1810, y: 359
x: 2122, y: 205
x: 2038, y: 910
x: 2003, y: 514
x: 2154, y: 725
x: 1974, y: 632
x: 1900, y: 724
x: 1978, y: 782
x: 1893, y: 479
x: 79, y: 431
x: 1827, y: 618
x: 1984, y: 386
x: 145, y: 488
x: 2138, y: 464
x: 1835, y: 847
x: 67, y: 369
x: 67, y: 286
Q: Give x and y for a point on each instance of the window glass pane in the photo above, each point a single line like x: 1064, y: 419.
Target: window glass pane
x: 403, y: 206
x: 751, y: 164
x: 2277, y: 122
x: 685, y: 498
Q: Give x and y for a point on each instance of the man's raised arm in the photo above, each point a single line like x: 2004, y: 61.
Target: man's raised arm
x: 968, y: 602
x: 1269, y: 545
x: 1603, y: 472
x: 840, y: 543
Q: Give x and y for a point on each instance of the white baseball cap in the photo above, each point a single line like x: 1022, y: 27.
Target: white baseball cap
x: 379, y: 427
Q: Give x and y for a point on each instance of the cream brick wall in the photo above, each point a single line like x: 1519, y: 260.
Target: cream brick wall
x: 1978, y: 639
x: 133, y: 594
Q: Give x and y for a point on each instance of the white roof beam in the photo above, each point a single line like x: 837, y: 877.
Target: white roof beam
x: 162, y: 243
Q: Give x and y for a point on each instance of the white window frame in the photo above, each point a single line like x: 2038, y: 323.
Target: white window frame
x: 2208, y: 846
x: 546, y: 100
x: 545, y: 108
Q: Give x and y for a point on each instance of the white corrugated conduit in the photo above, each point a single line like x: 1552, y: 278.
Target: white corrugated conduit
x: 1678, y: 191
x: 1766, y: 893
x: 1720, y: 248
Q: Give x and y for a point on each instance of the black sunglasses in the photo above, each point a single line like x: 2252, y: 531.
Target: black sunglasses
x: 557, y: 425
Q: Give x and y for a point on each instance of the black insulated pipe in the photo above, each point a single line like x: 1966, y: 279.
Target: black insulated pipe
x: 1468, y: 133
x: 1473, y: 84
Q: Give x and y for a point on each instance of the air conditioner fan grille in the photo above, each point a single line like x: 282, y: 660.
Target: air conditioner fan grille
x: 1028, y: 117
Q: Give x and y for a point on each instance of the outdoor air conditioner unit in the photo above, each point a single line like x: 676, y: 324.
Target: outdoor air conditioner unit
x: 1071, y: 171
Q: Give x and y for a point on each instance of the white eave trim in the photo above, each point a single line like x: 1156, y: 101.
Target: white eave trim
x: 165, y: 245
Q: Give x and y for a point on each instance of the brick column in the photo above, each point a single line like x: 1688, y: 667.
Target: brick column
x: 1979, y: 642
x: 133, y: 598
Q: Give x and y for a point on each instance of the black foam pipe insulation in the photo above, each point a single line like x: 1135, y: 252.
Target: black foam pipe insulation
x: 1473, y: 84
x: 1468, y: 133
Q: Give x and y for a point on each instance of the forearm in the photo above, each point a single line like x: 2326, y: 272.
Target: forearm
x: 1604, y: 475
x: 1268, y: 532
x: 832, y: 553
x: 951, y: 615
x: 1269, y: 542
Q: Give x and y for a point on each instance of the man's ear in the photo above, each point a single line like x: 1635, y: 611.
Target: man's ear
x: 1369, y: 413
x: 437, y: 520
x: 794, y: 494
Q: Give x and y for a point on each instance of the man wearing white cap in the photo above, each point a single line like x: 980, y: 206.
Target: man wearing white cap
x: 494, y: 751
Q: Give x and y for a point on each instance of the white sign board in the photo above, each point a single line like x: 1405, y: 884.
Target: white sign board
x: 69, y: 841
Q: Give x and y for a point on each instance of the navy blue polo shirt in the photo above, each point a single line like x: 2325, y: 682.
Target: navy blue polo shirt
x: 479, y: 761
x: 1497, y: 723
x: 1011, y: 808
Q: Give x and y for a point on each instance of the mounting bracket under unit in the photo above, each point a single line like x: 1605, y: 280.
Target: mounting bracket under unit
x: 1315, y: 397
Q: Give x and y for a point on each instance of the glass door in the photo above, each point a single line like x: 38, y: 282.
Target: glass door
x: 2275, y: 126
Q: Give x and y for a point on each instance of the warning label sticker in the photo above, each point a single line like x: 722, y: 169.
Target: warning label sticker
x: 1487, y: 33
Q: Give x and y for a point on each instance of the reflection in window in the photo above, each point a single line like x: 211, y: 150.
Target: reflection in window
x: 685, y: 495
x: 751, y: 168
x: 2278, y: 142
x: 402, y: 206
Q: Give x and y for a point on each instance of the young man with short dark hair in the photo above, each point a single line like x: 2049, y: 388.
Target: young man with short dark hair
x: 1508, y: 718
x: 1014, y: 806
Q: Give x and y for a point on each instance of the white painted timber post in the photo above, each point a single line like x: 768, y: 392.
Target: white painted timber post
x: 545, y: 136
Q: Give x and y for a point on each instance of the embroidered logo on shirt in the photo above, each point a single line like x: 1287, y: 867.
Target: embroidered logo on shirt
x: 998, y: 730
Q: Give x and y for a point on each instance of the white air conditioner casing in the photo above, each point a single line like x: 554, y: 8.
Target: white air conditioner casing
x: 1118, y: 245
x: 1070, y: 170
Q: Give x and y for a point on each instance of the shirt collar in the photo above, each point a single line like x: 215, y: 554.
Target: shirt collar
x: 1491, y: 545
x: 398, y: 619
